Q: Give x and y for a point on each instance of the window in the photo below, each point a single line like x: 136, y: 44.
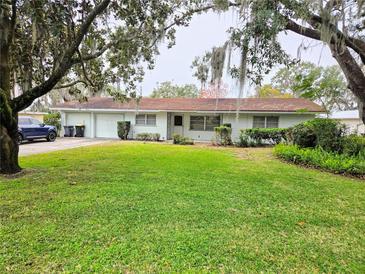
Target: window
x: 178, y: 120
x: 35, y: 122
x: 151, y: 119
x: 211, y: 122
x: 204, y: 123
x: 146, y: 119
x: 265, y: 122
x: 197, y: 122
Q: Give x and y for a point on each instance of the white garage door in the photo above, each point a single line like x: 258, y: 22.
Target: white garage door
x: 106, y: 125
x: 76, y: 118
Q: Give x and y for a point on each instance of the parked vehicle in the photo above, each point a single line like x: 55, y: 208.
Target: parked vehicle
x: 30, y: 129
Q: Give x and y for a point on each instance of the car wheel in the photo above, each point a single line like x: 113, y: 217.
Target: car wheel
x: 20, y: 139
x: 51, y: 136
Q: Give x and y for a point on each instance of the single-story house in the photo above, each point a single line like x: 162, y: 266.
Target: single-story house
x: 190, y: 117
x: 351, y: 119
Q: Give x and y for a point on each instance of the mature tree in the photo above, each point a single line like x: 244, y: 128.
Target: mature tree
x: 268, y: 91
x: 337, y: 23
x: 52, y: 45
x: 170, y: 90
x: 214, y: 90
x: 325, y: 85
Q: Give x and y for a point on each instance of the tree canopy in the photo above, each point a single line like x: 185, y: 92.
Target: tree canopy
x: 170, y: 90
x: 268, y: 91
x: 337, y: 23
x: 325, y: 85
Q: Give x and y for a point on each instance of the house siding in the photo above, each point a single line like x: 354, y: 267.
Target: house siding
x: 238, y: 122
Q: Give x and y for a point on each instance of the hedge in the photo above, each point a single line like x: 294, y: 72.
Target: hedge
x: 260, y: 136
x: 148, y: 137
x: 319, y: 158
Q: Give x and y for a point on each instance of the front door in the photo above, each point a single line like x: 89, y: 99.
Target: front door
x: 178, y: 125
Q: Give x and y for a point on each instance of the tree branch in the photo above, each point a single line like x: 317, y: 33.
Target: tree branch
x: 70, y: 84
x: 12, y: 21
x: 26, y: 99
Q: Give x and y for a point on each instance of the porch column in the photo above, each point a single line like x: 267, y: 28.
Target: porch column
x: 63, y: 123
x: 92, y: 125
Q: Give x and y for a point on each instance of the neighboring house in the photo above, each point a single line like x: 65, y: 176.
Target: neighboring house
x: 36, y: 115
x: 190, y: 117
x: 351, y: 119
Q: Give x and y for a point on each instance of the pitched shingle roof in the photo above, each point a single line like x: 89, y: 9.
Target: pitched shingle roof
x: 199, y: 104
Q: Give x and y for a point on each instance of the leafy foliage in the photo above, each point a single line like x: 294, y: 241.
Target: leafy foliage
x: 325, y: 133
x: 325, y: 85
x: 223, y: 135
x: 169, y: 90
x: 123, y: 128
x: 261, y: 136
x: 268, y: 91
x: 53, y: 119
x: 354, y: 145
x: 319, y: 158
x: 148, y: 137
x: 181, y: 140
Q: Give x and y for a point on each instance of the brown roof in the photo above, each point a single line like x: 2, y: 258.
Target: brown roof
x: 199, y: 104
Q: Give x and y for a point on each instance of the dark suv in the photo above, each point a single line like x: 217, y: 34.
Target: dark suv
x: 30, y: 129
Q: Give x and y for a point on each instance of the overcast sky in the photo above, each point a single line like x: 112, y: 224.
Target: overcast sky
x: 204, y: 32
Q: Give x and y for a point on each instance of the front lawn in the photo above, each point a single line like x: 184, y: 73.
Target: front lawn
x: 135, y: 207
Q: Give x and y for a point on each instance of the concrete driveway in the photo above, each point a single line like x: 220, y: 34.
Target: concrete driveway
x: 42, y: 146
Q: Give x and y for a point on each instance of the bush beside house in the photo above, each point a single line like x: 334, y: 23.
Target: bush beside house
x: 148, y: 137
x: 123, y: 129
x: 53, y: 119
x: 253, y: 137
x: 223, y: 135
x: 322, y: 143
x: 181, y: 140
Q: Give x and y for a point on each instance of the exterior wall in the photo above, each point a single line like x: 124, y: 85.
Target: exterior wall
x: 354, y: 125
x: 160, y: 127
x: 242, y: 121
x: 78, y: 118
x: 185, y: 130
x: 38, y: 116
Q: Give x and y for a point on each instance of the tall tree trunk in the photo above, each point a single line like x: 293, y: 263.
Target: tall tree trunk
x: 8, y: 117
x: 9, y: 148
x: 353, y: 73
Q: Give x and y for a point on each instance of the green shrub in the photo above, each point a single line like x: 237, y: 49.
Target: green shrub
x: 181, y: 140
x: 223, y: 135
x: 156, y: 137
x: 259, y: 136
x: 53, y: 119
x: 148, y: 137
x: 243, y: 140
x: 325, y: 133
x: 319, y: 158
x: 354, y: 145
x: 123, y: 129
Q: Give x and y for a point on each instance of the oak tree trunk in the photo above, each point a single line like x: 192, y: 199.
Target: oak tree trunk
x: 8, y: 116
x: 9, y: 149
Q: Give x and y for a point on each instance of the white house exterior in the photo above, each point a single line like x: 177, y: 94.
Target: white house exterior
x: 351, y: 119
x: 190, y: 117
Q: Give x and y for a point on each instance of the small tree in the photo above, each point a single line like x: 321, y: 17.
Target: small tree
x: 169, y: 90
x: 123, y: 129
x: 53, y: 119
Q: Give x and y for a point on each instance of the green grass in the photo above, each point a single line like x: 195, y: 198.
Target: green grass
x: 133, y: 207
